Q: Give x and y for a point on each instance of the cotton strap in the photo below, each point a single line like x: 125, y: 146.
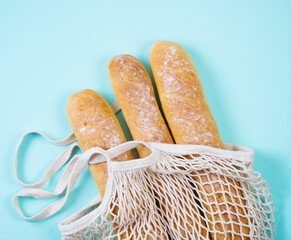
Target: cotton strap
x: 68, y: 179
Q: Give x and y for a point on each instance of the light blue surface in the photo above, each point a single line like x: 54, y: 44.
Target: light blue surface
x: 52, y: 49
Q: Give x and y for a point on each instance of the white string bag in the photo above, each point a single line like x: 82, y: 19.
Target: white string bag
x: 127, y: 210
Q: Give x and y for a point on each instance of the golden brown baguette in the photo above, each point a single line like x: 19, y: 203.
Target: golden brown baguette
x: 95, y: 125
x: 135, y: 95
x: 191, y: 122
x: 134, y: 92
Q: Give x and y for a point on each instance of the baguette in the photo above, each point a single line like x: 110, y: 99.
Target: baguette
x: 94, y: 124
x: 191, y: 122
x: 135, y: 95
x: 134, y: 92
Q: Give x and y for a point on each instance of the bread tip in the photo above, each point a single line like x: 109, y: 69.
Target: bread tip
x: 76, y: 96
x: 158, y: 44
x: 120, y: 59
x: 163, y: 42
x: 81, y: 92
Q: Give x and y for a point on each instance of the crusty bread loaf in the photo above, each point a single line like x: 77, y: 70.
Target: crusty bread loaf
x: 191, y: 122
x: 95, y: 125
x: 134, y: 92
x: 135, y: 95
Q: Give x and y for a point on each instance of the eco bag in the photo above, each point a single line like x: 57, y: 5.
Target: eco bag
x: 127, y: 208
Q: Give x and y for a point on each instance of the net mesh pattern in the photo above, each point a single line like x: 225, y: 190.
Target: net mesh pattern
x: 196, y: 196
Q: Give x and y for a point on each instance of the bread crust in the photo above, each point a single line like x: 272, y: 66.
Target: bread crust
x: 95, y: 125
x: 191, y: 122
x: 134, y: 92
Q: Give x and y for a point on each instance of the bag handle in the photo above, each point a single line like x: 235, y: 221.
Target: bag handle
x: 32, y: 190
x: 56, y: 164
x: 67, y: 180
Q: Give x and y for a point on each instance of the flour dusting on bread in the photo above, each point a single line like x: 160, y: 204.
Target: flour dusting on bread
x: 182, y: 95
x: 135, y: 94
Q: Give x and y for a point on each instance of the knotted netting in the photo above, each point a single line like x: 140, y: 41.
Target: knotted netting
x: 177, y: 192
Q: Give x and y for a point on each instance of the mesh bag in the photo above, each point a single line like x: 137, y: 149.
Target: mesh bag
x: 220, y: 196
x: 177, y: 192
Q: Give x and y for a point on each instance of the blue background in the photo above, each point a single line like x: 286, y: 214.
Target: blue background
x: 52, y: 49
